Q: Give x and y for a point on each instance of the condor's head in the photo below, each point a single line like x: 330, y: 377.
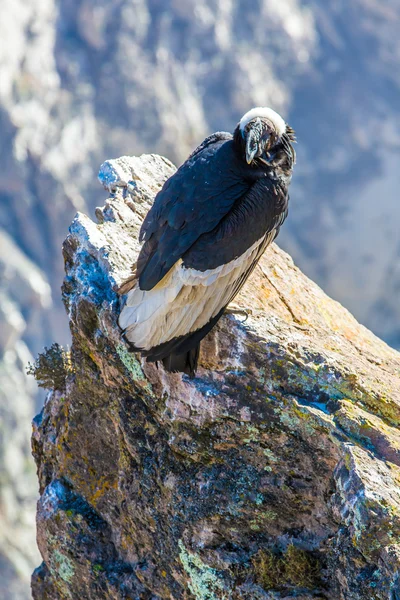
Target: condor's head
x: 264, y: 139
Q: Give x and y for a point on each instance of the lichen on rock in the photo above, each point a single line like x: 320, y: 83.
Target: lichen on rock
x: 273, y: 474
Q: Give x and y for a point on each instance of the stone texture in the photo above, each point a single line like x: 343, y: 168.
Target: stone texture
x: 274, y: 474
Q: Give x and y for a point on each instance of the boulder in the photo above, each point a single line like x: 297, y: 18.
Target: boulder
x: 273, y: 474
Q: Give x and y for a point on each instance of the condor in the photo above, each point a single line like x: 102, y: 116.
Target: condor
x: 203, y: 236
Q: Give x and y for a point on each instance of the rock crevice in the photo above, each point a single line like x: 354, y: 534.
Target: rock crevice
x: 273, y: 474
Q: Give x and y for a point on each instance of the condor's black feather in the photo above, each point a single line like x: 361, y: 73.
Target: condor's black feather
x: 205, y: 207
x: 261, y: 210
x: 193, y: 202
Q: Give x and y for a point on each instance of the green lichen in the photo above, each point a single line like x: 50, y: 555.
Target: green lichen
x: 288, y: 419
x: 97, y: 569
x: 261, y: 375
x: 270, y: 455
x: 132, y: 365
x: 295, y: 418
x: 63, y: 566
x: 296, y: 568
x: 269, y: 515
x: 350, y: 386
x: 205, y: 583
x: 262, y: 520
x: 130, y: 362
x: 253, y: 434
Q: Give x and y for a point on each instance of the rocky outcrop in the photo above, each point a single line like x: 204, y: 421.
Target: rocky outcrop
x: 273, y: 474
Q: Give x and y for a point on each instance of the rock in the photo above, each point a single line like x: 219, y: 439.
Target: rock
x: 273, y: 474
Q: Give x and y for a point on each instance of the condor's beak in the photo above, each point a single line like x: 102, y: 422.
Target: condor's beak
x: 251, y: 147
x: 253, y: 141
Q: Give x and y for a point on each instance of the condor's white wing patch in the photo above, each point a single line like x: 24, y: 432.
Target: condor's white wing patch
x: 184, y: 300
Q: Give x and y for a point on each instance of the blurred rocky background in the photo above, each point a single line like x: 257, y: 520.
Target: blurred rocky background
x: 86, y: 80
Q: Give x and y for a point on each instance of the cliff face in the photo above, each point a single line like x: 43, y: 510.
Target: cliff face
x: 18, y: 552
x: 273, y: 474
x: 21, y: 283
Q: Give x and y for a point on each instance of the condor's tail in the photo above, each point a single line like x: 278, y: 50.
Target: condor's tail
x: 183, y: 363
x: 182, y: 354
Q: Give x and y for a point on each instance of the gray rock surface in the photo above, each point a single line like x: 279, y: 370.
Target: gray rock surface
x: 274, y: 474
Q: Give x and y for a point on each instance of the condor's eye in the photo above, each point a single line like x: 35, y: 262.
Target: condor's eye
x: 270, y: 139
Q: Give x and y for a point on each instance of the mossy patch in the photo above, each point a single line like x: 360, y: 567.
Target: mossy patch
x: 296, y: 568
x: 97, y: 568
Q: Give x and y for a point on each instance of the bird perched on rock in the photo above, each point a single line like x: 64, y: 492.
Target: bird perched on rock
x: 203, y: 236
